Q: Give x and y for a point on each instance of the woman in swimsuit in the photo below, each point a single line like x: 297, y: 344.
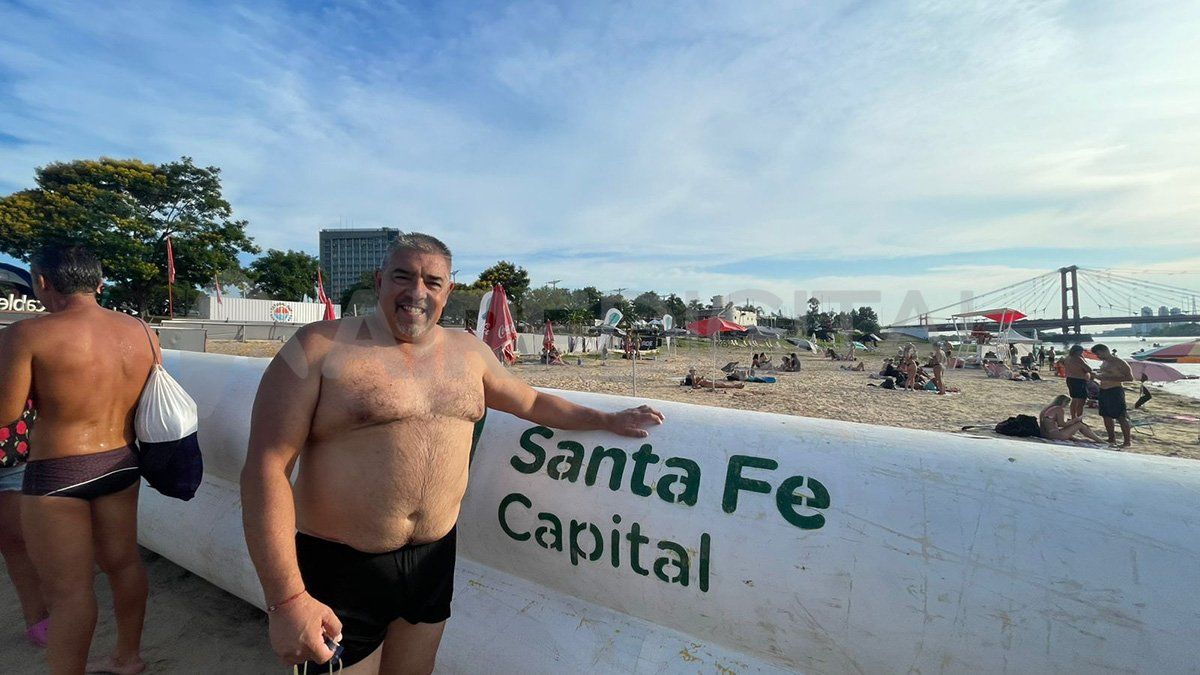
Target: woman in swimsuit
x: 14, y: 442
x: 1056, y: 428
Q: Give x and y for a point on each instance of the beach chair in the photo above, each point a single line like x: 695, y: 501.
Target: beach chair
x: 1143, y: 423
x: 728, y: 367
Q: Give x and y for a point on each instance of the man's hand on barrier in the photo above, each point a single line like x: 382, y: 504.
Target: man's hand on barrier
x: 633, y: 421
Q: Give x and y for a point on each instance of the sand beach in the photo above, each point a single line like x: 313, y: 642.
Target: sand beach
x: 824, y: 389
x: 192, y: 626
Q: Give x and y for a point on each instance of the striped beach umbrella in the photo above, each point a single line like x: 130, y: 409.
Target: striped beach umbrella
x: 1185, y: 352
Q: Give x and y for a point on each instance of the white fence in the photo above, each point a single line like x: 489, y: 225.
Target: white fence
x: 752, y: 542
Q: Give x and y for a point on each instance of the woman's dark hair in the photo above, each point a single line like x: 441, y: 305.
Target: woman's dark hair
x: 69, y: 269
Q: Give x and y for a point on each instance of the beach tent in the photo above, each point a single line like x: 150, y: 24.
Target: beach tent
x: 1012, y: 337
x: 713, y: 326
x: 764, y: 332
x: 803, y: 344
x: 920, y: 333
x: 1185, y: 352
x: 964, y: 324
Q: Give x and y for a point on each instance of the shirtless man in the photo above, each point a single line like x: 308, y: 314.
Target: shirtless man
x: 381, y: 410
x: 84, y: 367
x: 1078, y: 375
x: 1113, y: 372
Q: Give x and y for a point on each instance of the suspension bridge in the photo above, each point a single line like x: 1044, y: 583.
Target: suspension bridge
x: 1052, y: 301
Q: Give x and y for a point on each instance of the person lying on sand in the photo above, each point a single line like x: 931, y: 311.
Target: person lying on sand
x: 1054, y: 427
x: 697, y: 382
x: 856, y: 368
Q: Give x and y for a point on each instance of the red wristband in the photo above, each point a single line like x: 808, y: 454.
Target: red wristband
x: 271, y: 609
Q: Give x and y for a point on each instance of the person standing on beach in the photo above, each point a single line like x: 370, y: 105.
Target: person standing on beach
x: 1079, y: 373
x: 938, y: 363
x: 1112, y: 374
x: 381, y: 409
x: 14, y: 443
x: 84, y: 367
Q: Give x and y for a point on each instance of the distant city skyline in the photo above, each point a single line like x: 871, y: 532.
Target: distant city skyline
x: 769, y: 147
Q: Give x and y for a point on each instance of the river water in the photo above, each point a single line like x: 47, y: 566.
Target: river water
x: 1127, y: 346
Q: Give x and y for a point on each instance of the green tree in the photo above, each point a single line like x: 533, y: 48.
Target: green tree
x: 622, y: 305
x: 515, y: 281
x: 865, y: 321
x: 694, y: 307
x: 463, y: 306
x: 234, y: 278
x: 124, y: 209
x: 812, y: 318
x: 538, y: 301
x: 649, y: 305
x: 677, y: 308
x: 285, y: 275
x: 588, y: 298
x: 360, y: 298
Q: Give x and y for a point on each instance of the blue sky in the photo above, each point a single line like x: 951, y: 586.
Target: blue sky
x: 686, y: 147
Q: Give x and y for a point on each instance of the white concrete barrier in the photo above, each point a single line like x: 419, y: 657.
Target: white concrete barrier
x: 742, y: 541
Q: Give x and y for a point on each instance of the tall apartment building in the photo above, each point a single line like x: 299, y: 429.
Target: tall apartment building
x: 347, y: 254
x: 1145, y: 328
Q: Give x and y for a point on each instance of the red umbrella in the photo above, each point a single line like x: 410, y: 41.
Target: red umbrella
x: 714, y: 324
x: 499, y: 331
x: 548, y: 337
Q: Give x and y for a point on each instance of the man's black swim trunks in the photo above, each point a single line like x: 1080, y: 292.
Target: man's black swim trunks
x: 1112, y: 402
x: 1077, y: 387
x: 367, y: 591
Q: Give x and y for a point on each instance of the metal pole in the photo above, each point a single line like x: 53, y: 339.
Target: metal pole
x: 633, y: 359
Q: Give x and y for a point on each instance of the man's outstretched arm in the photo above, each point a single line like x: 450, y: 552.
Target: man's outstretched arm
x: 508, y: 393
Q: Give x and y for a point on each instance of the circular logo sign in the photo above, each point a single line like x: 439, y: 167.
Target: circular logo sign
x: 281, y: 313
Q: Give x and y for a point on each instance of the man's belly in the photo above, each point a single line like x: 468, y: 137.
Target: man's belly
x: 379, y: 488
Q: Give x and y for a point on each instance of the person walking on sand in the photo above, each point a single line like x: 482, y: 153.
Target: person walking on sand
x: 1113, y: 373
x: 1079, y: 373
x: 380, y: 411
x: 80, y: 489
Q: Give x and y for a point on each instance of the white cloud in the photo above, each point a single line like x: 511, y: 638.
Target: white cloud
x: 744, y: 129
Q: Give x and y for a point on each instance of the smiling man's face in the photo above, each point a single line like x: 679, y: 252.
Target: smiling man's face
x: 413, y: 288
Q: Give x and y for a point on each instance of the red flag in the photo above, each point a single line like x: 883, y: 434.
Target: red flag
x: 324, y: 299
x: 170, y: 263
x: 218, y: 285
x: 499, y: 331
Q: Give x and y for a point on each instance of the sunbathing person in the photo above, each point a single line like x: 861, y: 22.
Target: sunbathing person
x: 1054, y: 426
x: 698, y: 382
x: 790, y: 364
x: 856, y: 368
x: 554, y: 357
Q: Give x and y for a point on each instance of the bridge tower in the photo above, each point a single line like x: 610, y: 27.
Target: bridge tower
x: 1069, y: 282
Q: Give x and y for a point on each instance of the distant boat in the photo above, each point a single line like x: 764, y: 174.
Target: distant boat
x: 1184, y: 352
